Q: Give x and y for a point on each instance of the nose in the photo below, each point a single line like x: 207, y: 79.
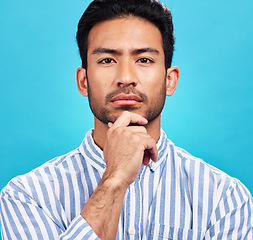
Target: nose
x: 126, y: 74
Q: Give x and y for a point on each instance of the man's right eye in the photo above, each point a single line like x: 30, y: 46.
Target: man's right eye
x: 106, y: 61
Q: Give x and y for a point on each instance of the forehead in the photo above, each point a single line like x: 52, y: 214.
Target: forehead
x: 125, y: 33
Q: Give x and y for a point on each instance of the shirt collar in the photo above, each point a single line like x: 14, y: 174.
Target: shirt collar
x: 94, y: 155
x: 162, y: 147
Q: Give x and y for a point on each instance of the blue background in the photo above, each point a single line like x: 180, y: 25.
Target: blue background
x: 42, y: 114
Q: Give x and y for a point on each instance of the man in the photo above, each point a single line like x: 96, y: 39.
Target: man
x: 126, y: 180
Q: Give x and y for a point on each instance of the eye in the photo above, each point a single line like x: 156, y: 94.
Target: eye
x: 107, y: 61
x: 145, y: 60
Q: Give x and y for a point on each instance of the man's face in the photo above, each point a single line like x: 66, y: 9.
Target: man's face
x: 126, y: 69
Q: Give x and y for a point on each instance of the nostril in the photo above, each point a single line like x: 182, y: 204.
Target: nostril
x: 123, y: 84
x: 120, y: 84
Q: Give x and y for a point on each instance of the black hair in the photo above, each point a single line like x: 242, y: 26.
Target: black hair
x: 151, y: 10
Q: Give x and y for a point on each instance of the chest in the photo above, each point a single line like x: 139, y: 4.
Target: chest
x: 160, y: 206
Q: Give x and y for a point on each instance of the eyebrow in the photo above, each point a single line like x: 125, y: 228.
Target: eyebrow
x: 119, y: 52
x: 106, y: 50
x: 145, y: 50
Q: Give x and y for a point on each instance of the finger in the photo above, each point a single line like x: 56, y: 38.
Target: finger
x: 127, y: 117
x: 150, y: 146
x: 146, y: 158
x: 137, y: 129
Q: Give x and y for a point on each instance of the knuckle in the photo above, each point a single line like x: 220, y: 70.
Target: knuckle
x: 120, y: 130
x: 136, y: 138
x: 127, y: 133
x: 117, y: 131
x: 144, y: 129
x: 114, y: 131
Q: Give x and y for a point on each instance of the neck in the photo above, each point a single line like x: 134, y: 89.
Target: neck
x: 100, y: 131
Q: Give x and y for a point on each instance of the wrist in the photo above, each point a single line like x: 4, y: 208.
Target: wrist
x: 115, y: 182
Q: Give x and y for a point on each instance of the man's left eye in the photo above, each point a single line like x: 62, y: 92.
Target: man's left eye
x: 145, y: 60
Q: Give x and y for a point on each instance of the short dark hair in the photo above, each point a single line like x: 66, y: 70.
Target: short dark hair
x: 151, y: 10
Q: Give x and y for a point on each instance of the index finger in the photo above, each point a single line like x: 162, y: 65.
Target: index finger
x: 127, y: 117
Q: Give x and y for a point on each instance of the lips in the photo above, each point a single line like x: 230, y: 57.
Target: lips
x: 126, y: 99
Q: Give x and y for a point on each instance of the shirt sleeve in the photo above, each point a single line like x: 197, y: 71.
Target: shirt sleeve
x: 22, y: 218
x: 79, y: 229
x: 233, y: 216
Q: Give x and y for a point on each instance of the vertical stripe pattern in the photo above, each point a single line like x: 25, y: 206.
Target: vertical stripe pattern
x: 178, y: 197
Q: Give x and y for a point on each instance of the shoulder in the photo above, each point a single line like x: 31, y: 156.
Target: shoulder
x: 56, y: 169
x: 201, y: 174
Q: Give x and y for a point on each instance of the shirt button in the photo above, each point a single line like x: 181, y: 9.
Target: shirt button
x: 131, y: 231
x: 153, y: 165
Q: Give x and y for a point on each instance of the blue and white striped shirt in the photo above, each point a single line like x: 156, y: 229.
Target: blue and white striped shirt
x: 178, y: 197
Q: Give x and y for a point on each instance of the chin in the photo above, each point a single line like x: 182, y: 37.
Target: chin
x: 105, y: 115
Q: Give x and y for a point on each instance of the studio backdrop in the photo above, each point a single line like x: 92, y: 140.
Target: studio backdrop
x: 42, y: 114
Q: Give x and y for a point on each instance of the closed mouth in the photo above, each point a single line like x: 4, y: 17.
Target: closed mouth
x: 123, y: 99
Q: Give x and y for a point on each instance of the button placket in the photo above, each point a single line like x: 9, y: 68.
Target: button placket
x: 132, y: 211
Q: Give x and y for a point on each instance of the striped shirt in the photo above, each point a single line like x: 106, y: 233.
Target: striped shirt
x: 178, y: 197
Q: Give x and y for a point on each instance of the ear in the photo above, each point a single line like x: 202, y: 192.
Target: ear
x: 81, y: 80
x: 172, y: 78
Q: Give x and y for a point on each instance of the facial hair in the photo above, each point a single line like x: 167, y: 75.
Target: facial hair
x: 103, y: 114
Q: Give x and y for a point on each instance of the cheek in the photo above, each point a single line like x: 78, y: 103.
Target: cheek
x: 100, y: 76
x: 153, y: 79
x: 97, y: 92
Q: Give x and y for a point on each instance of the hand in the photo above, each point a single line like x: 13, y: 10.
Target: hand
x: 127, y: 147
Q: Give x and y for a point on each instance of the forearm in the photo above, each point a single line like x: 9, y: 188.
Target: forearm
x: 102, y: 211
x: 123, y: 150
